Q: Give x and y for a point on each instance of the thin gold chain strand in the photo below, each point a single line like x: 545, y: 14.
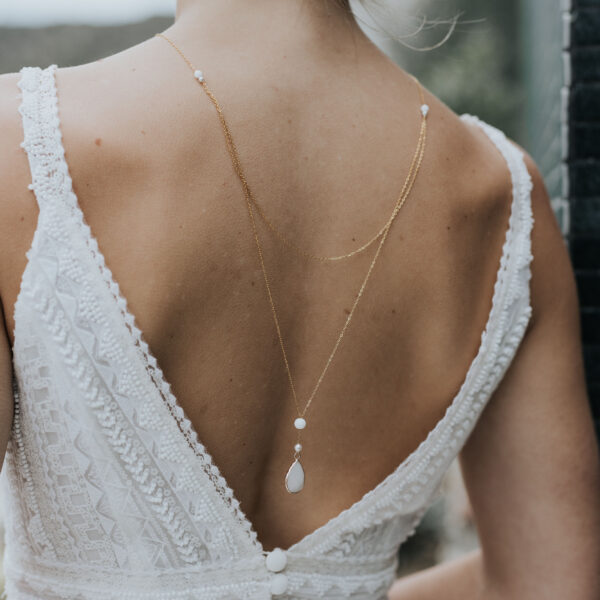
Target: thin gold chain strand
x: 262, y: 214
x: 406, y: 189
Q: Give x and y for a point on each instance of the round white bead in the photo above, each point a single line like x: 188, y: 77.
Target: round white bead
x: 279, y: 584
x: 299, y: 423
x: 298, y: 447
x: 199, y: 75
x: 276, y: 560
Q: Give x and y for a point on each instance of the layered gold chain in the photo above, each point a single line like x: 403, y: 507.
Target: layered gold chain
x: 383, y: 233
x: 282, y: 238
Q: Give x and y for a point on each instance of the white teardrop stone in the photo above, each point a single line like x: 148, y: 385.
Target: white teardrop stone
x: 424, y: 109
x: 294, y: 480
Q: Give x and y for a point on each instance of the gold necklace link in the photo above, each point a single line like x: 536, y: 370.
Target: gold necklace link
x: 383, y: 233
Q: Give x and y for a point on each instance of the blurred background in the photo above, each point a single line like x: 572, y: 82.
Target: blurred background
x: 502, y: 61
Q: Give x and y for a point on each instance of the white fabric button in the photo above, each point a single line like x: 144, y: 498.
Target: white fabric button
x: 279, y: 584
x: 276, y: 560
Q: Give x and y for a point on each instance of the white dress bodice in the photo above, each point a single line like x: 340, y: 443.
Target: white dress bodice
x: 109, y: 493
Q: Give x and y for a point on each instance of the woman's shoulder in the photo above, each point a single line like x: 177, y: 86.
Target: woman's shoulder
x: 482, y: 149
x: 18, y: 207
x: 10, y: 125
x: 468, y: 171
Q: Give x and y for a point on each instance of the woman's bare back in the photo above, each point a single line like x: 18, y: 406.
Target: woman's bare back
x: 325, y: 147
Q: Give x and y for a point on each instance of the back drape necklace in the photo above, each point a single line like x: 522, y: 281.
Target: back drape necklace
x: 295, y: 477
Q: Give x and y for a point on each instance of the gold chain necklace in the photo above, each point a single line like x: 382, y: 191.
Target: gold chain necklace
x: 294, y: 480
x: 280, y: 236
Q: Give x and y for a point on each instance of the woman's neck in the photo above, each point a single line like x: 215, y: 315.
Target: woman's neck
x: 328, y: 9
x: 315, y: 26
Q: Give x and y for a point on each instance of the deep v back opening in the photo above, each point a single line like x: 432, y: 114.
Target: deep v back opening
x: 162, y: 387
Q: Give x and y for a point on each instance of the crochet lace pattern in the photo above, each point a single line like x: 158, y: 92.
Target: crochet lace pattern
x: 110, y: 494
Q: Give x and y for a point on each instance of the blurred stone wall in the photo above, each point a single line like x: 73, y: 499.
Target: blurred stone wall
x: 561, y: 59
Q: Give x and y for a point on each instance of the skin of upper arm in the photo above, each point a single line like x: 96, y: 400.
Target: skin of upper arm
x: 6, y: 398
x: 531, y: 465
x: 13, y: 229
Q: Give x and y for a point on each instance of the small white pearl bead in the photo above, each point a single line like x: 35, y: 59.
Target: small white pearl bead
x: 424, y: 109
x: 276, y: 560
x: 199, y: 75
x: 279, y: 584
x: 298, y: 447
x: 299, y: 423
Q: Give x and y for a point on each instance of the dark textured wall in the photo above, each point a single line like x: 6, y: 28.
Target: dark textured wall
x: 582, y: 107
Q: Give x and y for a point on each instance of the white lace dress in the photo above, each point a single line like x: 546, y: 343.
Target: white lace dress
x: 109, y: 493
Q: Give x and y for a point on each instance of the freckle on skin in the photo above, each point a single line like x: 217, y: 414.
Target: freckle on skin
x: 98, y: 141
x: 347, y: 311
x: 143, y: 132
x: 23, y: 218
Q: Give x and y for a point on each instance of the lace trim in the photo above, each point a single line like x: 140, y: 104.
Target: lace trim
x: 199, y: 582
x: 17, y: 468
x: 373, y: 586
x: 54, y: 582
x: 63, y: 508
x: 127, y: 447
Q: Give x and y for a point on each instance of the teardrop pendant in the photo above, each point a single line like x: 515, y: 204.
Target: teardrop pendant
x: 294, y: 480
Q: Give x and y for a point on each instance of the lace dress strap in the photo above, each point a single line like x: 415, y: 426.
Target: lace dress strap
x: 42, y: 137
x: 522, y: 219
